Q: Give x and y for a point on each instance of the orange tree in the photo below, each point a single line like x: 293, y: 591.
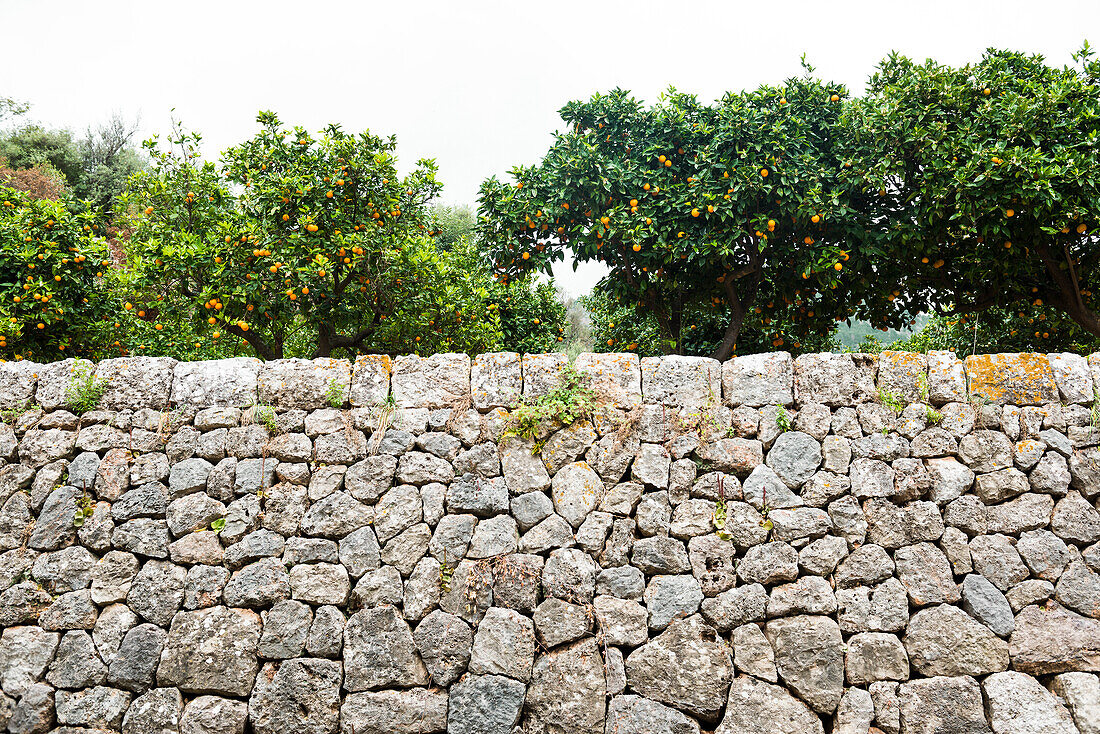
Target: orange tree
x: 301, y: 245
x: 754, y: 205
x: 56, y: 289
x: 532, y: 317
x: 990, y: 183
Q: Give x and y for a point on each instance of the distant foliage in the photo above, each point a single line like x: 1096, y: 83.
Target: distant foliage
x: 1039, y: 329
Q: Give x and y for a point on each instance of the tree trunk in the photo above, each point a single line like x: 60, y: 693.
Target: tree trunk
x: 324, y: 342
x: 729, y: 339
x: 1083, y: 317
x: 739, y: 305
x: 1068, y: 298
x: 264, y: 350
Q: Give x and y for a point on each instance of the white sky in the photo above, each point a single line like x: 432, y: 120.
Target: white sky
x: 475, y: 84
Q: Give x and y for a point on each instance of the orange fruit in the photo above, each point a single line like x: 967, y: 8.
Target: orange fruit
x: 834, y: 98
x: 1009, y: 213
x: 637, y: 248
x: 815, y: 219
x: 764, y: 172
x: 838, y: 267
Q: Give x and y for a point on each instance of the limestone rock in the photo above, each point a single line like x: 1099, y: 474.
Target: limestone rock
x: 1018, y: 704
x: 944, y: 640
x: 576, y: 491
x: 942, y: 704
x: 639, y: 715
x: 1053, y: 639
x: 756, y: 707
x: 224, y: 639
x: 504, y: 645
x: 379, y: 651
x: 566, y: 691
x: 485, y: 704
x: 686, y: 667
x: 299, y: 695
x: 810, y: 658
x: 394, y: 712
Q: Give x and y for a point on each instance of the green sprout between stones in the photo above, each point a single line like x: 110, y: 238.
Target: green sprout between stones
x: 84, y: 390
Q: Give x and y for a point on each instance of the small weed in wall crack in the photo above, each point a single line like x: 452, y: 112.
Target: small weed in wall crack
x: 84, y: 390
x: 782, y: 419
x: 571, y: 401
x: 85, y: 507
x: 334, y: 394
x: 263, y: 415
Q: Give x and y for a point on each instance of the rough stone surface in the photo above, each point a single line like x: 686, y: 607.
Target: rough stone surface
x: 224, y: 639
x: 248, y: 557
x: 686, y: 666
x: 944, y: 640
x: 756, y: 707
x: 1018, y: 704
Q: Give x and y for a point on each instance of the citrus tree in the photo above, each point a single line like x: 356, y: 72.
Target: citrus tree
x: 989, y: 178
x: 56, y: 293
x: 532, y: 317
x: 301, y: 245
x: 531, y: 314
x: 751, y: 206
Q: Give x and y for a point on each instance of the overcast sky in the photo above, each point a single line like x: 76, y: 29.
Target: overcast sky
x: 475, y: 84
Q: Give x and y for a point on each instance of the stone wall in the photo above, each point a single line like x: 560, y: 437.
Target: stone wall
x: 834, y: 543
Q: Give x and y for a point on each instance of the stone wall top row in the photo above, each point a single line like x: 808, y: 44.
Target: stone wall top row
x: 502, y: 379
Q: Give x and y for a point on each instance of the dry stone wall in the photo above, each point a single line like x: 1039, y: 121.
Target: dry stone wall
x: 903, y: 544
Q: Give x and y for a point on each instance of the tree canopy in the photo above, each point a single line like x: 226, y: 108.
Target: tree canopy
x: 751, y: 205
x: 94, y: 168
x: 55, y: 297
x: 941, y: 189
x: 991, y: 182
x: 303, y: 245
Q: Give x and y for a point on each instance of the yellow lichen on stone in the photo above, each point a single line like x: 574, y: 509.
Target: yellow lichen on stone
x: 902, y: 372
x: 1012, y: 379
x: 382, y: 360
